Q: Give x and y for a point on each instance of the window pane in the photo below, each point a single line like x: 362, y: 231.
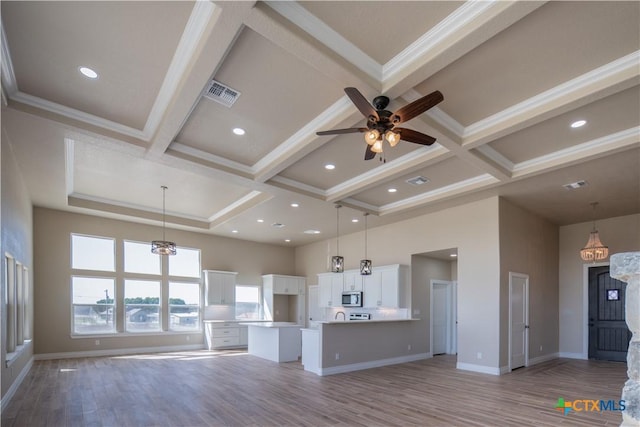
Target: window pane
x: 142, y: 305
x: 184, y: 306
x: 92, y: 253
x: 247, y: 302
x: 185, y: 263
x: 139, y: 259
x: 93, y: 309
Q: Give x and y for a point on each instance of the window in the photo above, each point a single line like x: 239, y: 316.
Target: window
x: 93, y: 305
x: 10, y: 298
x: 248, y: 302
x: 27, y: 310
x: 19, y: 312
x: 92, y: 253
x: 186, y: 263
x: 142, y: 305
x: 184, y: 306
x: 139, y: 259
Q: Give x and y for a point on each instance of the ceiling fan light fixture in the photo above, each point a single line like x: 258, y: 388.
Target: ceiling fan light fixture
x: 371, y: 136
x: 392, y: 137
x: 377, y: 146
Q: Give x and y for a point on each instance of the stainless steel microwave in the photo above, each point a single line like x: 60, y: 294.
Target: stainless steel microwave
x: 352, y: 299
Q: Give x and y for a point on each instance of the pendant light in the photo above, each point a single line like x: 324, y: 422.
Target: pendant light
x: 337, y: 262
x: 365, y: 264
x: 163, y: 247
x: 594, y: 250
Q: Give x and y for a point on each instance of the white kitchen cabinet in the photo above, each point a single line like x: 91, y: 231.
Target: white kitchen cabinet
x: 331, y: 286
x: 352, y: 280
x: 220, y: 287
x: 386, y: 287
x: 284, y: 298
x: 283, y: 285
x: 223, y: 334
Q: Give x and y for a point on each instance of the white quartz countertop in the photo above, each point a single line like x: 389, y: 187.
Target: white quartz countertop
x: 354, y: 322
x: 272, y: 324
x: 235, y: 321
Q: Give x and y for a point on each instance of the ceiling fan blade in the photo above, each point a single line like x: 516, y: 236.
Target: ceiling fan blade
x: 417, y: 107
x: 416, y: 137
x: 340, y: 131
x: 361, y: 102
x: 368, y: 154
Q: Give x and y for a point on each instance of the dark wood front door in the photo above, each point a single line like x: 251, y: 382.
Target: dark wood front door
x: 608, y: 333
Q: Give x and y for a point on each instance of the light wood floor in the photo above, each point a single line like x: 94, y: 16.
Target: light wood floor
x: 203, y: 388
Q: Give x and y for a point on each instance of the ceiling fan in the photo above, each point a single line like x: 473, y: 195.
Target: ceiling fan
x: 381, y: 123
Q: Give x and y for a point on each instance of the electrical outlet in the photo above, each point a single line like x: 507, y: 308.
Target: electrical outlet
x: 479, y: 355
x: 337, y: 356
x: 97, y: 342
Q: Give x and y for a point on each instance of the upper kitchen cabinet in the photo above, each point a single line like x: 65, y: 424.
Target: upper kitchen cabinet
x: 220, y: 287
x: 284, y: 285
x: 387, y: 287
x: 352, y: 280
x: 330, y: 288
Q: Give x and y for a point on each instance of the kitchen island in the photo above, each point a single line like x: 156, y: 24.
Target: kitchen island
x: 344, y: 346
x: 275, y: 341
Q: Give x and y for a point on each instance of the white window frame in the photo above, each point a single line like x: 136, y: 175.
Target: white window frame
x: 260, y: 306
x: 113, y: 306
x: 197, y: 306
x: 158, y: 280
x: 113, y: 270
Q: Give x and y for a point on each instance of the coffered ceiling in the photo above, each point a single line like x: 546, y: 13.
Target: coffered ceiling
x: 514, y: 75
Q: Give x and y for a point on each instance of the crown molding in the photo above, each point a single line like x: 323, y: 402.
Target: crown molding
x: 497, y: 157
x: 472, y: 184
x: 6, y: 66
x: 211, y: 160
x: 244, y: 203
x: 604, y: 76
x: 327, y: 36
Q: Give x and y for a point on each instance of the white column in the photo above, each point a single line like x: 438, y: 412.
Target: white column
x: 626, y: 267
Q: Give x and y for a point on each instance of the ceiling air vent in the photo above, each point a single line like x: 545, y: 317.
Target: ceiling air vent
x: 575, y: 185
x: 220, y: 93
x: 418, y: 180
x: 277, y: 225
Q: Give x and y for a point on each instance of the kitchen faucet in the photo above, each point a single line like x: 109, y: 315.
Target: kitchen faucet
x: 343, y: 315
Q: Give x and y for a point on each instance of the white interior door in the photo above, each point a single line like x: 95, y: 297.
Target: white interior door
x: 518, y: 320
x: 440, y: 315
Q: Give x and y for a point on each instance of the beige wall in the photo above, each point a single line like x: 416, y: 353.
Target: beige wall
x: 16, y: 232
x: 473, y: 229
x: 621, y: 234
x: 52, y: 274
x: 529, y: 245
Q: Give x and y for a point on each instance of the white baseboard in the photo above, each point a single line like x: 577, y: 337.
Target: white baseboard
x: 14, y: 387
x: 372, y: 364
x: 117, y: 352
x: 543, y: 358
x: 573, y: 355
x: 478, y: 368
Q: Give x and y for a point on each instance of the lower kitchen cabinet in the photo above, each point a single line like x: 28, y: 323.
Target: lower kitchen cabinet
x: 225, y: 335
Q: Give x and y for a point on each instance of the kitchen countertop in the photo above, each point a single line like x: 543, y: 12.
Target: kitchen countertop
x: 235, y: 321
x: 273, y: 324
x: 334, y: 322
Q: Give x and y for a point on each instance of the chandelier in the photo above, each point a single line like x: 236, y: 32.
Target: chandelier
x: 337, y: 262
x: 594, y: 250
x: 163, y: 247
x: 365, y: 264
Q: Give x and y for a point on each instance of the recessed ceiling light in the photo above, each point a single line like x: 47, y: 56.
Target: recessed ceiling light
x: 329, y: 166
x: 453, y: 255
x: 88, y: 72
x: 311, y: 232
x: 392, y: 190
x: 234, y: 231
x: 287, y: 240
x: 578, y: 123
x: 355, y: 220
x: 261, y: 220
x: 238, y: 131
x: 294, y: 205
